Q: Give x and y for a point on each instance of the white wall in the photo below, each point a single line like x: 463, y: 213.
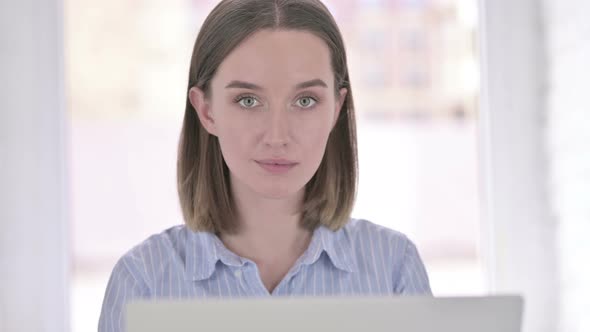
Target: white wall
x: 519, y: 244
x: 33, y: 228
x: 568, y: 44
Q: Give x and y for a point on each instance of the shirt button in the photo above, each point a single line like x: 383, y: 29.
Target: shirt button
x: 238, y: 273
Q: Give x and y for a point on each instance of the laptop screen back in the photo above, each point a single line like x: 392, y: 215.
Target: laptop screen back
x: 406, y: 314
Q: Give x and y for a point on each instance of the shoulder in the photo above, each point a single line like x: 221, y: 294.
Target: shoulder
x: 168, y: 241
x: 161, y: 246
x: 147, y: 260
x: 374, y: 245
x: 375, y: 242
x: 135, y: 273
x: 362, y: 230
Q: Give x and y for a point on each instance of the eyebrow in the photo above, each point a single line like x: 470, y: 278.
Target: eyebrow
x: 252, y: 86
x: 309, y: 84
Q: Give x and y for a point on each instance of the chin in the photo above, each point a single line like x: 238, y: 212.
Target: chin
x: 276, y: 192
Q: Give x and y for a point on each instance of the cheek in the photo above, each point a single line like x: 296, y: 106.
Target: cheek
x: 313, y: 138
x: 232, y: 137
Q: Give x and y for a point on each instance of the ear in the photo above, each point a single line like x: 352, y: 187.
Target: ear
x: 341, y: 98
x: 203, y: 108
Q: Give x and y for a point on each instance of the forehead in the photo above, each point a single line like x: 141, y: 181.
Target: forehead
x: 277, y: 57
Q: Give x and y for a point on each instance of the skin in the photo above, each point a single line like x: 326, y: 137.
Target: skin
x: 271, y: 116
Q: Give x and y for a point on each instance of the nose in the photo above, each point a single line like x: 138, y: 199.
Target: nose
x: 277, y: 131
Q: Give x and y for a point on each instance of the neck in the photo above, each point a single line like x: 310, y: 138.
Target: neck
x: 269, y: 228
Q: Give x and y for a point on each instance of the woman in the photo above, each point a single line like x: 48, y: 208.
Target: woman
x: 267, y: 172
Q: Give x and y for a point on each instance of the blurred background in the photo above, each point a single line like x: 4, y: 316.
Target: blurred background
x: 415, y: 77
x: 472, y: 129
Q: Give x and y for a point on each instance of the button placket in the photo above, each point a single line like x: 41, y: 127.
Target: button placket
x: 239, y: 275
x: 251, y: 278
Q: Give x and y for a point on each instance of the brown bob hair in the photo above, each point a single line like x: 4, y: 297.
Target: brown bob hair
x: 202, y: 175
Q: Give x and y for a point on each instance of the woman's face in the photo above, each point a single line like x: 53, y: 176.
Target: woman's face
x: 272, y: 106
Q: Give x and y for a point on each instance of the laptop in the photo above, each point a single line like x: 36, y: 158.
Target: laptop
x: 343, y: 314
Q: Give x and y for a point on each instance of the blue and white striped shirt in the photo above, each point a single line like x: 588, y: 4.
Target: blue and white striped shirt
x: 361, y: 258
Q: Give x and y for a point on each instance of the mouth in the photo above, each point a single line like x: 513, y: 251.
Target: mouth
x: 282, y: 162
x: 276, y: 166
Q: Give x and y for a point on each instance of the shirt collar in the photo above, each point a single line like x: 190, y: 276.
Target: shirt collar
x: 205, y: 249
x: 337, y: 246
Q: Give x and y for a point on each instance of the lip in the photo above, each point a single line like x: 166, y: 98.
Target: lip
x: 275, y: 161
x: 276, y: 166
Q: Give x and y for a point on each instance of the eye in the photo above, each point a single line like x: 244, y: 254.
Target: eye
x: 306, y: 102
x: 247, y: 101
